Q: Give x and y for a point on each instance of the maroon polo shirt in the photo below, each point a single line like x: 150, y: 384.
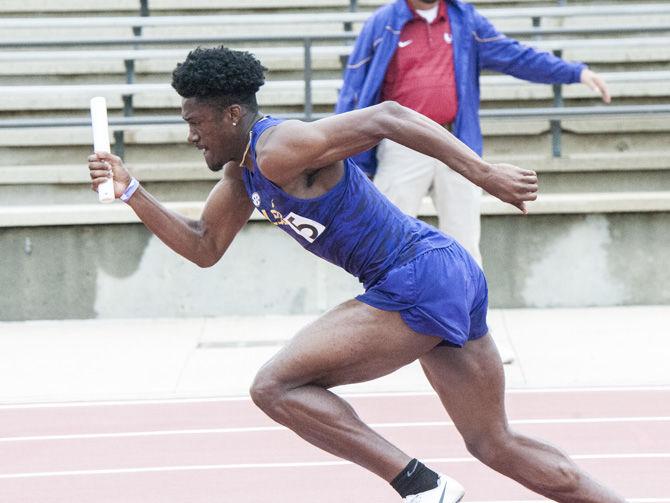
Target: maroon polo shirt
x: 421, y: 72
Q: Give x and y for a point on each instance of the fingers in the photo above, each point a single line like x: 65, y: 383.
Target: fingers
x: 97, y: 181
x: 93, y: 165
x: 101, y: 172
x: 527, y: 185
x: 102, y: 166
x: 99, y: 175
x: 604, y: 91
x: 599, y: 86
x: 100, y: 169
x: 522, y: 206
x: 527, y: 193
x: 104, y: 156
x: 96, y: 161
x: 110, y: 161
x: 513, y: 185
x: 596, y: 84
x: 99, y: 161
x: 530, y: 180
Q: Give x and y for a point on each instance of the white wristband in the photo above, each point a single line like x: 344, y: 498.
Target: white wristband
x: 130, y: 190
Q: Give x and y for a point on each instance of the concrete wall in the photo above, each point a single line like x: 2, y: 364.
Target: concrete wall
x: 578, y: 260
x: 121, y: 271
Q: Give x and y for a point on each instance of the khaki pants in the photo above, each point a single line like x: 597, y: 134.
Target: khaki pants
x: 406, y: 176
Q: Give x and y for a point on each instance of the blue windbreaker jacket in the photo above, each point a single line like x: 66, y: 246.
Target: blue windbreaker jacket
x: 477, y: 45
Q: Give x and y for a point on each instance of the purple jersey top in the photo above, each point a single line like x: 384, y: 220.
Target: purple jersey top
x: 353, y: 225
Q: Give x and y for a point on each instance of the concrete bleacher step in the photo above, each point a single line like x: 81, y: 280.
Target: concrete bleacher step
x: 103, y: 7
x: 159, y: 63
x: 284, y: 93
x: 614, y: 133
x: 21, y: 31
x: 226, y: 27
x: 195, y: 170
x: 501, y: 137
x: 116, y: 213
x: 75, y: 32
x: 192, y: 181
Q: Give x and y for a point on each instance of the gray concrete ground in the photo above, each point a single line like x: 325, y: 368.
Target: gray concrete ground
x: 57, y: 361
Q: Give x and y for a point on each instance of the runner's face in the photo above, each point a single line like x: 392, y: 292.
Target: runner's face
x: 211, y: 131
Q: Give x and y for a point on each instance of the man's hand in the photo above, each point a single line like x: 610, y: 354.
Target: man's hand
x: 595, y: 82
x: 101, y: 165
x: 511, y: 184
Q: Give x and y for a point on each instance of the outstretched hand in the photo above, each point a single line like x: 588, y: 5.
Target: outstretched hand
x: 591, y: 79
x: 511, y: 184
x: 102, y: 165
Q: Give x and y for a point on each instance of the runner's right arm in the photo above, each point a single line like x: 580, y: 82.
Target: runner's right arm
x: 202, y: 241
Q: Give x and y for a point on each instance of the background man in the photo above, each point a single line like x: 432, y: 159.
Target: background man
x: 427, y: 55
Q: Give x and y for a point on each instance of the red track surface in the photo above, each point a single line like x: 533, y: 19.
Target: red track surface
x: 227, y: 451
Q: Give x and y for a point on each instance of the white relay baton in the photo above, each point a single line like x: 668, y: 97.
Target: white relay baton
x: 101, y: 143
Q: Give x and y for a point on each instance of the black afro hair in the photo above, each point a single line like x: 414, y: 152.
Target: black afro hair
x: 220, y: 75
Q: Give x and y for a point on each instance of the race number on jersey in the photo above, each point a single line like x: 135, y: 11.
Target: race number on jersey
x: 308, y: 229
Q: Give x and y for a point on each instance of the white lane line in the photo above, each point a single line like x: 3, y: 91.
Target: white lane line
x: 587, y: 389
x: 156, y: 433
x: 245, y: 398
x: 629, y: 500
x: 648, y: 455
x: 132, y: 401
x: 299, y: 464
x: 158, y: 469
x: 256, y: 429
x: 637, y: 455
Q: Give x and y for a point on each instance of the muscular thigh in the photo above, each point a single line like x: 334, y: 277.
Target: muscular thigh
x: 352, y: 343
x: 470, y: 382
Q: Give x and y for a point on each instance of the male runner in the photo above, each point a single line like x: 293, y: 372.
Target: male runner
x: 425, y: 297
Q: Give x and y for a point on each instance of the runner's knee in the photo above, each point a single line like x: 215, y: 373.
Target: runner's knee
x: 266, y: 390
x: 507, y: 452
x: 569, y: 477
x: 490, y: 448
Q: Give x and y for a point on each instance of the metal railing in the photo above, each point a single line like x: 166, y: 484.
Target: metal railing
x: 535, y: 14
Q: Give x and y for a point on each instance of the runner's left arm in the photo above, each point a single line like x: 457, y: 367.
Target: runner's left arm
x: 294, y: 147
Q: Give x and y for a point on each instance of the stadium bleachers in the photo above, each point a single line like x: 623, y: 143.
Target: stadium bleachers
x: 51, y: 64
x: 638, y: 60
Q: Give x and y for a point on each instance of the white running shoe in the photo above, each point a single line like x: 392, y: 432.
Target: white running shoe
x: 447, y: 491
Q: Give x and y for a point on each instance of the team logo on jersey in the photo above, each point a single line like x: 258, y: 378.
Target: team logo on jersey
x: 256, y: 199
x: 307, y: 228
x: 448, y: 38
